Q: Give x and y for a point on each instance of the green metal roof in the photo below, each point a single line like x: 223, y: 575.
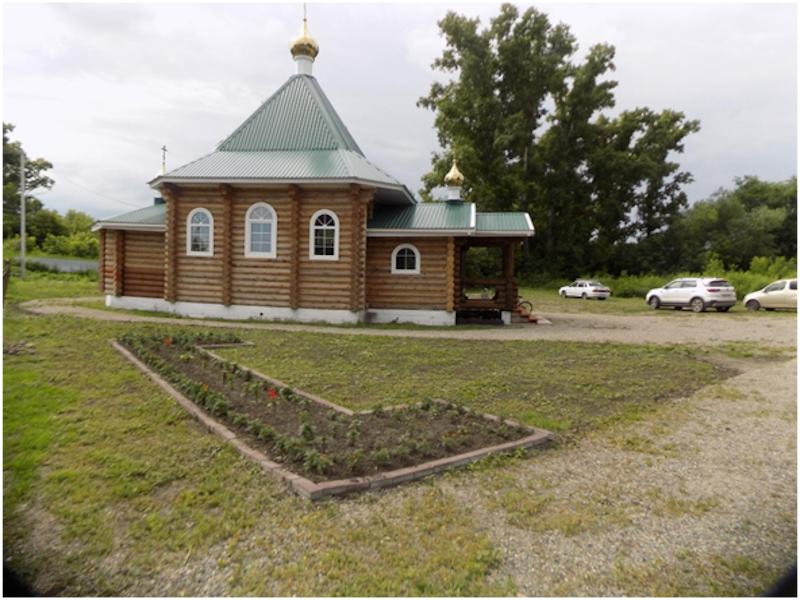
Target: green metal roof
x: 298, y: 116
x: 434, y: 218
x: 294, y: 137
x: 282, y: 165
x: 446, y: 218
x: 431, y: 216
x: 150, y: 218
x: 504, y: 222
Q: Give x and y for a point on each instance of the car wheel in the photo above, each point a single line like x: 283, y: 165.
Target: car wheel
x: 584, y: 296
x: 752, y: 305
x: 564, y: 294
x: 697, y: 305
x: 654, y: 302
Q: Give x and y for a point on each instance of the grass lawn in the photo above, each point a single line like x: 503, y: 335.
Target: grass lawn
x: 548, y: 301
x: 44, y: 285
x: 109, y: 484
x: 560, y: 386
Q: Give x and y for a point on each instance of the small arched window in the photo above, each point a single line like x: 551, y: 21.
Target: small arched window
x: 324, y: 236
x: 261, y: 228
x: 405, y: 260
x: 200, y: 230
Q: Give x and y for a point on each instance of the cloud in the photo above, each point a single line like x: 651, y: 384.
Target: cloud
x: 101, y: 87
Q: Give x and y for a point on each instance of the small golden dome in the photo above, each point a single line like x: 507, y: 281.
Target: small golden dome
x: 304, y: 44
x: 454, y: 177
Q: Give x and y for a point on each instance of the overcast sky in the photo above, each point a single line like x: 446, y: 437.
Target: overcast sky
x: 98, y: 89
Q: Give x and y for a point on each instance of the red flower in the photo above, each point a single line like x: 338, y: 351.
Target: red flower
x: 273, y: 393
x: 168, y: 341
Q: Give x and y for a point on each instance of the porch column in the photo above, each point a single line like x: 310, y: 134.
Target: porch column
x: 451, y: 274
x: 508, y: 275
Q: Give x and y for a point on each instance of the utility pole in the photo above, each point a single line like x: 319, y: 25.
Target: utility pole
x: 23, y: 234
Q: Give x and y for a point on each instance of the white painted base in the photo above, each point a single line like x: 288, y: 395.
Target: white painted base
x: 418, y: 317
x: 200, y: 310
x: 506, y: 316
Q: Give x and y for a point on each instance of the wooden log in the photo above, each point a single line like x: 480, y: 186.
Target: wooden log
x: 101, y: 258
x: 227, y: 241
x: 170, y: 194
x: 119, y: 262
x: 261, y: 296
x: 294, y: 264
x: 450, y: 272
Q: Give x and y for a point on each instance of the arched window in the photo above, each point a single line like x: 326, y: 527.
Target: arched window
x: 405, y: 260
x: 324, y: 236
x: 261, y: 231
x: 200, y: 233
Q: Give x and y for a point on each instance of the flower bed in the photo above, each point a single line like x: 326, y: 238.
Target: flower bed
x: 308, y: 435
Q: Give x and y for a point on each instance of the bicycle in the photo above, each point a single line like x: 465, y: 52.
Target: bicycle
x: 524, y: 304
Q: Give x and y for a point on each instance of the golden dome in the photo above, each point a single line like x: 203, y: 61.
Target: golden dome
x: 454, y: 177
x: 304, y: 44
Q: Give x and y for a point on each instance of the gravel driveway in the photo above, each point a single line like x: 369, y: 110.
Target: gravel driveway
x: 664, y: 327
x: 707, y: 484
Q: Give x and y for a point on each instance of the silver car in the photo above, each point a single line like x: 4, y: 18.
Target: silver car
x: 697, y: 293
x: 585, y: 288
x: 779, y: 294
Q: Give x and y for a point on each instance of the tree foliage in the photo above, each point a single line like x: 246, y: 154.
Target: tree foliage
x: 529, y: 127
x: 755, y: 219
x: 47, y: 230
x: 35, y: 179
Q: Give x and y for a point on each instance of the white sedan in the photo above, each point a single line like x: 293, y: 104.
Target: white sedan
x: 780, y: 294
x: 585, y: 288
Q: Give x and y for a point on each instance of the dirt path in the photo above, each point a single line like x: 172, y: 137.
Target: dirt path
x: 708, y: 329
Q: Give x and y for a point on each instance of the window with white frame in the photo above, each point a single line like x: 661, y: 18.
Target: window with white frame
x: 200, y: 230
x: 405, y: 260
x: 324, y: 236
x: 261, y: 227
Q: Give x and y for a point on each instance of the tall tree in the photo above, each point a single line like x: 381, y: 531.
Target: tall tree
x: 35, y: 179
x: 527, y: 124
x: 757, y: 218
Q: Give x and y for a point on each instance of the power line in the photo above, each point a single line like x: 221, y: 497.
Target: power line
x: 93, y: 192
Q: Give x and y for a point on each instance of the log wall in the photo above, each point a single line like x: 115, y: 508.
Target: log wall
x: 329, y: 284
x: 427, y: 291
x: 291, y: 279
x: 143, y: 264
x: 197, y: 278
x: 262, y: 281
x: 107, y: 265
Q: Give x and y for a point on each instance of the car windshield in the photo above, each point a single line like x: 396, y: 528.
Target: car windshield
x: 595, y: 284
x: 718, y: 283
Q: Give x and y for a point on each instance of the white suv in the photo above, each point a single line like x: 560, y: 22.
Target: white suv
x: 695, y: 292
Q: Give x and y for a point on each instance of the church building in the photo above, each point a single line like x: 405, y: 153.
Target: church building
x: 287, y: 220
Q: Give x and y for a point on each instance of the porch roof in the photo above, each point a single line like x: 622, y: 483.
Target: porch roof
x: 447, y: 218
x: 149, y: 218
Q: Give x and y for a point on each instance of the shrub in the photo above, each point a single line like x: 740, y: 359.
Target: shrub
x: 11, y: 246
x: 79, y: 245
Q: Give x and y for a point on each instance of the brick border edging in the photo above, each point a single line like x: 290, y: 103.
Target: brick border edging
x: 318, y: 491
